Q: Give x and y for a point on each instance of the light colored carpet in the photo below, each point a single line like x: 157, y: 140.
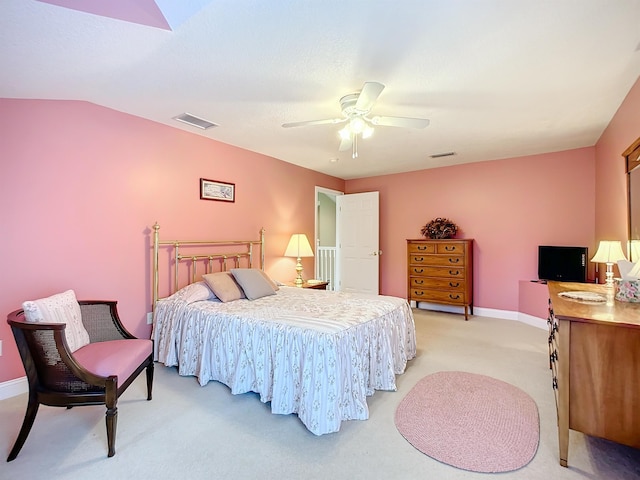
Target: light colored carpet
x: 194, y: 432
x: 470, y: 421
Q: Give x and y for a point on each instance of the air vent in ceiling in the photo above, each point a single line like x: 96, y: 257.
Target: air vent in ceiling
x: 195, y: 121
x: 440, y: 155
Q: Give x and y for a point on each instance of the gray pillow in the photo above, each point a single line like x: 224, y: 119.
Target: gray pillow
x: 253, y: 282
x: 224, y: 286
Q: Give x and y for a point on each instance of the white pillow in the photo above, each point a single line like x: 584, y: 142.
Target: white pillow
x: 253, y: 282
x: 59, y: 308
x: 195, y: 292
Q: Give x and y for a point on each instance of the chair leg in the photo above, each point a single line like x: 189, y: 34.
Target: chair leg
x: 112, y: 423
x: 149, y: 380
x: 29, y: 417
x: 111, y: 400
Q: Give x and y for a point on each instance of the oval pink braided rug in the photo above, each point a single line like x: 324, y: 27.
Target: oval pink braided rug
x: 470, y: 421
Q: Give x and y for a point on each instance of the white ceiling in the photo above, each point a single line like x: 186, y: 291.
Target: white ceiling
x: 497, y: 78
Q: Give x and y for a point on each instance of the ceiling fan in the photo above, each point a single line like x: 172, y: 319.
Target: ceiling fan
x: 355, y: 110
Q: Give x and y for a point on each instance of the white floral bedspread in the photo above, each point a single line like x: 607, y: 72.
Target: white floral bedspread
x: 315, y: 353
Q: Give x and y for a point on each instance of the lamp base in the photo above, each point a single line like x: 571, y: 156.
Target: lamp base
x: 609, y: 276
x: 299, y: 281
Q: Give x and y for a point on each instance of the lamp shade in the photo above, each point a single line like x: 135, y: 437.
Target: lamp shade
x: 298, y: 246
x: 609, y: 252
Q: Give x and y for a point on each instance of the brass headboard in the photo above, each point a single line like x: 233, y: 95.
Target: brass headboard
x: 245, y: 248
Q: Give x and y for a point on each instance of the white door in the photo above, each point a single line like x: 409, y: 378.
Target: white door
x: 357, y: 222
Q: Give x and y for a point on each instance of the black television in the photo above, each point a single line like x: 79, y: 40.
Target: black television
x: 562, y: 264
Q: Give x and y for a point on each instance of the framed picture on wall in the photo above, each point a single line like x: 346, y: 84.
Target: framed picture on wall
x: 217, y: 190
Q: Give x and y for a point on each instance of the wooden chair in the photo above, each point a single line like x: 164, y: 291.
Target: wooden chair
x: 96, y: 374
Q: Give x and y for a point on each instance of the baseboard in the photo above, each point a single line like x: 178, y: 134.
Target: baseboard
x: 494, y: 313
x: 440, y: 307
x: 14, y: 387
x: 533, y: 321
x: 489, y: 312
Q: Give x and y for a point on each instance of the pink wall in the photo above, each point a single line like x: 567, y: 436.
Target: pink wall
x: 82, y: 185
x: 508, y: 207
x: 611, y: 187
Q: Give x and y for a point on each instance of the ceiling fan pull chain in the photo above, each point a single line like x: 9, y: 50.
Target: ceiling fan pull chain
x: 354, y: 153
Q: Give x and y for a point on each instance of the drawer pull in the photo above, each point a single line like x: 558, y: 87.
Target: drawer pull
x: 420, y: 270
x: 454, y: 297
x: 454, y: 285
x: 454, y: 260
x: 419, y: 281
x: 422, y: 247
x: 450, y: 248
x: 419, y: 259
x: 417, y: 294
x: 454, y: 272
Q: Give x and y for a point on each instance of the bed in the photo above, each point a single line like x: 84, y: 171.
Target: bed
x: 318, y: 354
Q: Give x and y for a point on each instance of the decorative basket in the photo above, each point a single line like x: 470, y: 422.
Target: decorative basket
x: 439, y: 228
x: 628, y: 290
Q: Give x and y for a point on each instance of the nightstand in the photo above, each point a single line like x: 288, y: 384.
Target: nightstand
x: 316, y: 286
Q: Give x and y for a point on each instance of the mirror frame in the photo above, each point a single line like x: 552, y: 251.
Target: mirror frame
x: 632, y: 162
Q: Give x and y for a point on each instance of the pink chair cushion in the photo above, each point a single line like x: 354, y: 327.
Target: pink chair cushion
x: 115, y: 357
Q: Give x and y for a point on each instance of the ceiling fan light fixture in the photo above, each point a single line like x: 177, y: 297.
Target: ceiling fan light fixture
x: 357, y: 125
x: 345, y: 133
x: 355, y: 109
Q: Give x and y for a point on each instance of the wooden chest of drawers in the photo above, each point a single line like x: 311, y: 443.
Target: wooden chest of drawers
x: 441, y: 271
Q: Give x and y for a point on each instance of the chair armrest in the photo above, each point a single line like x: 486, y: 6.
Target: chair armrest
x: 48, y: 361
x: 100, y: 319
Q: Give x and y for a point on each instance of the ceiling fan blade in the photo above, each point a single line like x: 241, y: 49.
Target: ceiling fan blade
x: 325, y: 121
x: 368, y: 96
x: 404, y: 122
x: 345, y: 144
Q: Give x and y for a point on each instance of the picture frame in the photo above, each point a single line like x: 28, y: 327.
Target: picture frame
x: 217, y: 190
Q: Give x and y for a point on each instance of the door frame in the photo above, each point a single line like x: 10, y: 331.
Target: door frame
x: 316, y: 202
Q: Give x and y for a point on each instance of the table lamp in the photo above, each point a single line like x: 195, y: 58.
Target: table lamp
x: 298, y: 247
x: 609, y: 252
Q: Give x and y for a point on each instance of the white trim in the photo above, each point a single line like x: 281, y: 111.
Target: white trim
x: 533, y: 321
x: 492, y: 312
x: 14, y: 387
x: 489, y: 312
x: 439, y: 307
